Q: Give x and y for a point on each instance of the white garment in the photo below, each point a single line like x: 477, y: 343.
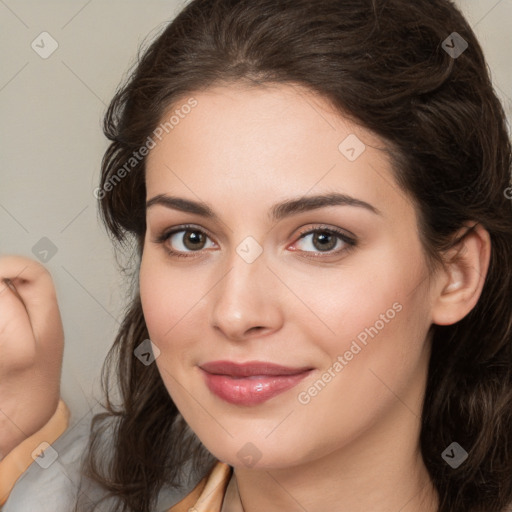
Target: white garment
x: 54, y: 489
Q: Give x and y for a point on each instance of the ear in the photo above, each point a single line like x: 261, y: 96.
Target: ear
x: 460, y: 283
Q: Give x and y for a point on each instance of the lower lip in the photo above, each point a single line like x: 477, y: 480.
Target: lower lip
x: 251, y: 390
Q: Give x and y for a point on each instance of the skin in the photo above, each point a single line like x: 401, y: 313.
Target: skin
x: 354, y: 446
x: 31, y: 348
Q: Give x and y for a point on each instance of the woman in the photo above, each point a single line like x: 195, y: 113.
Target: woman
x: 315, y: 193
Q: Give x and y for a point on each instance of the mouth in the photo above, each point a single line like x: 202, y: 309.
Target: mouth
x: 250, y: 383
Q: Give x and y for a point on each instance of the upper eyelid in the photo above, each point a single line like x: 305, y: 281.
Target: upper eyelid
x: 323, y: 227
x: 177, y: 229
x: 302, y: 230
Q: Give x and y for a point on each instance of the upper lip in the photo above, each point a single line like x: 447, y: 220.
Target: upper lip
x: 250, y: 368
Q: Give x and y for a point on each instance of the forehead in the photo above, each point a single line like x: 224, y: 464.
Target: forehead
x: 272, y: 141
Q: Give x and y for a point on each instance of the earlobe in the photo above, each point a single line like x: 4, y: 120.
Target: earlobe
x: 461, y: 281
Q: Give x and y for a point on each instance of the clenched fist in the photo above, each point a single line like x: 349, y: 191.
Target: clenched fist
x: 31, y: 350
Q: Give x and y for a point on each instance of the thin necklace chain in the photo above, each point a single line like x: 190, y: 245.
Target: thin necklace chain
x: 239, y: 497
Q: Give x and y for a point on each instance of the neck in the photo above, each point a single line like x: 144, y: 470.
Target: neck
x: 381, y: 471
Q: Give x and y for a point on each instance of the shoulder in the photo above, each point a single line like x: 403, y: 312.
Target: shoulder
x: 50, y: 481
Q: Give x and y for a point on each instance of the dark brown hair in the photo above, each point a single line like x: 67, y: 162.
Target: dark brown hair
x: 383, y: 64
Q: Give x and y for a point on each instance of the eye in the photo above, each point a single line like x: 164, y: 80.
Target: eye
x: 182, y: 240
x: 325, y: 240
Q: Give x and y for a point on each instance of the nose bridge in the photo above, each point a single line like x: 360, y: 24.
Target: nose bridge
x: 242, y: 300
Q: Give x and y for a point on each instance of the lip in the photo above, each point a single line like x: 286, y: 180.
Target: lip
x: 250, y: 383
x: 250, y: 369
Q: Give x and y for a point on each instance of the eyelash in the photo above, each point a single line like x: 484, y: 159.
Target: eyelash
x: 349, y: 241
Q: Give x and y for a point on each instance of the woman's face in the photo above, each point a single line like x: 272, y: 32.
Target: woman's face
x: 265, y: 277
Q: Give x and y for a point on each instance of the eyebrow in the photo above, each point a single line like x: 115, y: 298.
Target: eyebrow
x: 277, y: 212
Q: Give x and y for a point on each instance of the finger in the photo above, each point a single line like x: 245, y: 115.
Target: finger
x: 11, y: 286
x: 17, y: 343
x: 33, y: 283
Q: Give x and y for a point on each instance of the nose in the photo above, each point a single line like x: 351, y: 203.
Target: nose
x: 246, y: 302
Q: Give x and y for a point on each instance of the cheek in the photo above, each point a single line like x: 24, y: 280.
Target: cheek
x: 155, y: 304
x: 167, y: 296
x: 173, y: 307
x: 338, y: 306
x: 163, y: 308
x: 369, y: 365
x: 374, y: 318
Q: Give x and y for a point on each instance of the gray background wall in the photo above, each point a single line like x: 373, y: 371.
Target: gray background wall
x: 52, y: 145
